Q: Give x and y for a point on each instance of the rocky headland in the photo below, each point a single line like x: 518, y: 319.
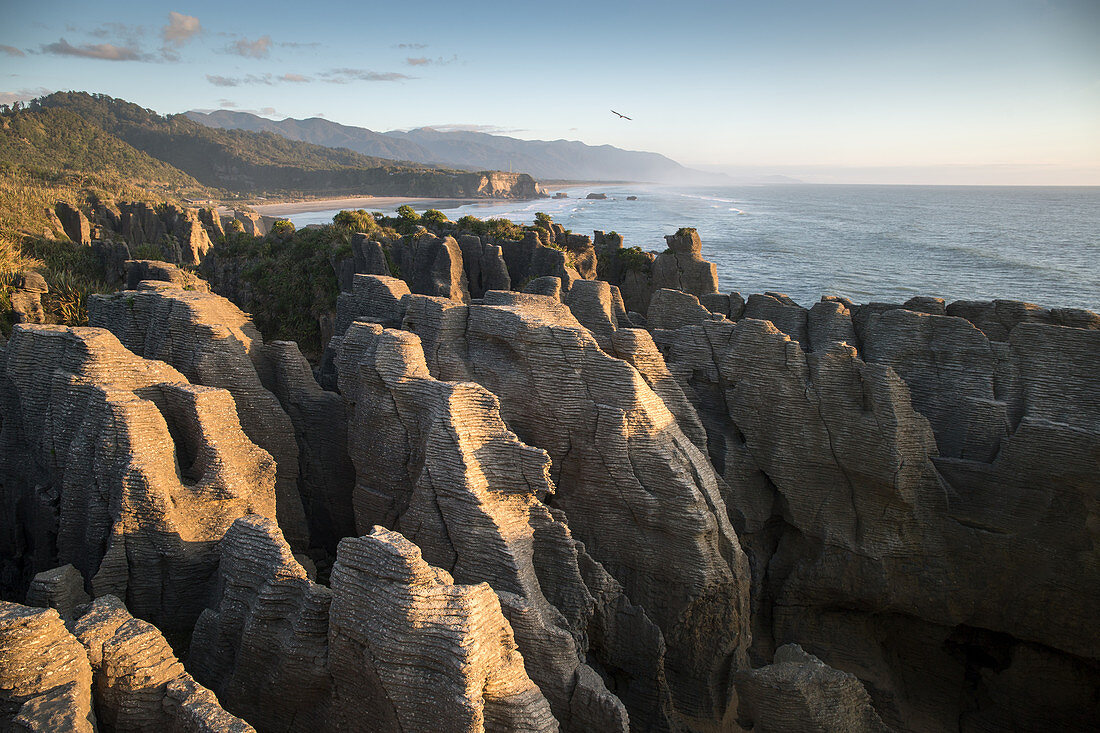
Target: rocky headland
x: 539, y: 481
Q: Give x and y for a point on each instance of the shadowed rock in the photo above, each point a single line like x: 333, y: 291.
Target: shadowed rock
x: 138, y: 683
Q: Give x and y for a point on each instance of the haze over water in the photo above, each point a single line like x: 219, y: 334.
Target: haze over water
x: 868, y: 243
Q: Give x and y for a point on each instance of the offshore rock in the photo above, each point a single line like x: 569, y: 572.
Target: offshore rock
x: 798, y: 693
x: 213, y: 343
x: 45, y: 678
x: 139, y: 684
x: 451, y: 480
x: 119, y: 466
x: 627, y: 477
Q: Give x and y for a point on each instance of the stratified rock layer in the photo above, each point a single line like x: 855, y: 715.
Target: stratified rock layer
x: 435, y: 461
x: 117, y: 465
x: 45, y: 678
x: 635, y: 489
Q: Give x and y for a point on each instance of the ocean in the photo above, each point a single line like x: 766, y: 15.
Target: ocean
x: 868, y: 243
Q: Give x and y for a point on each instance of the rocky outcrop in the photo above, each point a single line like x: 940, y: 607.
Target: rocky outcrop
x: 530, y: 258
x: 139, y: 684
x: 390, y: 607
x: 439, y: 482
x: 139, y: 270
x: 213, y: 343
x: 26, y: 297
x: 863, y: 485
x: 682, y: 267
x: 627, y: 477
x: 45, y: 678
x: 484, y: 265
x: 77, y: 227
x: 430, y: 265
x: 180, y: 234
x: 798, y: 693
x: 119, y: 466
x: 61, y: 589
x: 395, y: 642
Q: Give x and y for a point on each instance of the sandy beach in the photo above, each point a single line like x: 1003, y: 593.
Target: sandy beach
x: 370, y: 203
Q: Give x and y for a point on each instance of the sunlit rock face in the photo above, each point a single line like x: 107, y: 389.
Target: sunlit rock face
x: 117, y: 465
x: 633, y: 487
x: 395, y: 644
x: 916, y: 497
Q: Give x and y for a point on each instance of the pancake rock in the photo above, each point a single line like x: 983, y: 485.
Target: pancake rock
x: 119, y: 466
x: 799, y: 693
x: 484, y: 265
x: 214, y: 343
x: 873, y: 491
x: 682, y: 267
x: 138, y: 683
x: 637, y: 492
x: 453, y: 479
x: 390, y: 607
x: 60, y: 588
x: 395, y: 645
x: 45, y: 678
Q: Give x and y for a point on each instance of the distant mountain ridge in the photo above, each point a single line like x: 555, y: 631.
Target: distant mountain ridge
x: 553, y: 159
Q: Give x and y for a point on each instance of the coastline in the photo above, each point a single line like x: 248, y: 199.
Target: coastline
x: 371, y: 203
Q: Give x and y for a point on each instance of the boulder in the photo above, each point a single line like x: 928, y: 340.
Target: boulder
x: 76, y: 225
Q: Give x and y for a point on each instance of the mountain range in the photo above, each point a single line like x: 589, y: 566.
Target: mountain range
x: 543, y: 159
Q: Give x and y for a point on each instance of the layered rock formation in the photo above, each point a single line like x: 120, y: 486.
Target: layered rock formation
x: 865, y: 482
x: 627, y: 477
x: 280, y: 405
x: 119, y: 466
x: 395, y: 645
x: 180, y: 234
x: 453, y: 479
x: 45, y: 678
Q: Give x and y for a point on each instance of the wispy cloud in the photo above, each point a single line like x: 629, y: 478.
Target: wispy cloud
x: 180, y: 29
x: 11, y: 51
x: 228, y: 104
x: 425, y: 61
x: 298, y: 44
x: 411, y: 46
x: 236, y: 81
x: 295, y: 78
x: 258, y: 49
x: 343, y: 76
x: 23, y: 95
x: 104, y: 51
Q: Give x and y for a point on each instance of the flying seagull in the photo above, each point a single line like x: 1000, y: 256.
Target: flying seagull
x: 623, y: 116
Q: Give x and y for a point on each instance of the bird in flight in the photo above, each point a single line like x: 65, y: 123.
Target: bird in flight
x: 622, y: 115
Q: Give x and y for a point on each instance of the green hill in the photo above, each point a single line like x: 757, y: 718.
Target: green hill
x: 262, y: 163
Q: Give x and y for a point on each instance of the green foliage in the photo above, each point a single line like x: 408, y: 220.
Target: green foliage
x: 685, y: 231
x: 148, y: 251
x: 407, y: 213
x: 543, y: 220
x: 292, y: 280
x: 472, y: 225
x: 505, y: 229
x: 281, y: 229
x: 633, y: 258
x: 357, y: 221
x: 434, y: 216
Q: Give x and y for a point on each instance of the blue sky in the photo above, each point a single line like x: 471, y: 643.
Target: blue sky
x: 986, y: 91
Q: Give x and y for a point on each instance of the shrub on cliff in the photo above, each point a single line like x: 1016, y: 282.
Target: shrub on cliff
x: 357, y: 221
x: 434, y: 217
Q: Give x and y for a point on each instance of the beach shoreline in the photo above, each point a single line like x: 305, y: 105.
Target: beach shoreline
x: 370, y: 203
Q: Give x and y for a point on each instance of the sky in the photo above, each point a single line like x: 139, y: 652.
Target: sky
x: 978, y: 91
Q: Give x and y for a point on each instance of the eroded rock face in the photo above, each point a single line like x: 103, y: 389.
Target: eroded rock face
x: 395, y: 645
x: 45, y: 678
x: 431, y: 265
x: 635, y: 489
x: 867, y: 520
x: 213, y: 343
x: 263, y: 646
x: 682, y: 266
x: 138, y: 683
x: 119, y: 466
x: 484, y: 265
x: 798, y: 692
x: 390, y: 606
x: 453, y: 479
x: 59, y: 588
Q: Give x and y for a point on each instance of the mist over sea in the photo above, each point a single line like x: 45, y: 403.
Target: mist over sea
x: 868, y: 243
